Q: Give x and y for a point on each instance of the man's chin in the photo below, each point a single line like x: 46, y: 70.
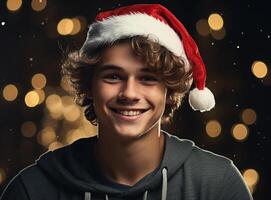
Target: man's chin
x: 129, y: 135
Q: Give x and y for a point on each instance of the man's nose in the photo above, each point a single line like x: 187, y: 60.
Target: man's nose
x: 130, y: 90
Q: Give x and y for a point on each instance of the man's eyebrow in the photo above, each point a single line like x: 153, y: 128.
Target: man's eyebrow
x: 118, y: 68
x: 109, y: 67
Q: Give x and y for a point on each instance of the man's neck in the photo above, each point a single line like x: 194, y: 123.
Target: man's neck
x: 128, y: 162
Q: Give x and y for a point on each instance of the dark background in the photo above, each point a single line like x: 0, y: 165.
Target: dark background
x: 28, y: 34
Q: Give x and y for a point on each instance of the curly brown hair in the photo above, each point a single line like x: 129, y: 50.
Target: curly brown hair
x: 78, y: 68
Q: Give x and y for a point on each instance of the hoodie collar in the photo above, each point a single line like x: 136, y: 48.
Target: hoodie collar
x: 69, y: 166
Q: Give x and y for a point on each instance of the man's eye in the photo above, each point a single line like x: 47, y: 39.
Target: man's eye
x: 149, y: 79
x: 112, y: 77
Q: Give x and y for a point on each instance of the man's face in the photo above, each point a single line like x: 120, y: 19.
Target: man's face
x: 129, y: 99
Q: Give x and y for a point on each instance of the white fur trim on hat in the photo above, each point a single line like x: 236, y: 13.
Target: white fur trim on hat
x: 202, y: 100
x: 133, y: 24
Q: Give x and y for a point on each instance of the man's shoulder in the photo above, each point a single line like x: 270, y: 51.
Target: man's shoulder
x: 209, y: 166
x: 30, y: 171
x: 207, y: 162
x: 197, y: 155
x: 34, y: 176
x: 30, y: 181
x: 207, y: 157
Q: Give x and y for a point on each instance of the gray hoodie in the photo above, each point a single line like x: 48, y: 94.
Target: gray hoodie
x: 186, y: 172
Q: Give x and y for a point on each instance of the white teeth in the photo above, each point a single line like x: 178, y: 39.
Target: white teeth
x: 129, y: 113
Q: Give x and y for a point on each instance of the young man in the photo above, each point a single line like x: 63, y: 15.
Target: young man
x: 131, y: 74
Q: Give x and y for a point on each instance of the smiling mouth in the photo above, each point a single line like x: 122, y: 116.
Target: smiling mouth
x: 129, y: 113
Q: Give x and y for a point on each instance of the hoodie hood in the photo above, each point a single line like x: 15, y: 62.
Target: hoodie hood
x: 70, y: 167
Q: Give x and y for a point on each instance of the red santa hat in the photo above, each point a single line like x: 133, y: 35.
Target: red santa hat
x: 153, y: 20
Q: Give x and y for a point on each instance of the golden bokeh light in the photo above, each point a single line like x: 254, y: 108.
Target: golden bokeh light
x: 67, y: 100
x: 47, y: 136
x: 32, y: 99
x: 10, y: 92
x: 83, y: 22
x: 14, y: 5
x: 65, y: 84
x: 87, y: 126
x: 2, y: 176
x: 76, y: 26
x: 259, y: 69
x: 55, y: 145
x: 248, y: 116
x: 38, y: 5
x: 71, y: 113
x: 251, y: 177
x: 65, y: 26
x: 38, y: 81
x: 54, y: 103
x: 240, y: 132
x: 215, y: 21
x: 28, y: 129
x: 41, y: 94
x: 219, y: 35
x: 56, y: 115
x: 213, y: 128
x: 202, y: 27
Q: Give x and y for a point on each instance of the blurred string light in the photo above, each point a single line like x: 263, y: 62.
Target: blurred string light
x: 251, y: 177
x: 65, y: 26
x: 213, y: 26
x: 10, y: 92
x: 38, y: 5
x: 248, y: 116
x: 87, y: 126
x: 202, y: 27
x: 72, y: 124
x: 2, y: 175
x: 38, y: 81
x: 65, y: 84
x: 259, y: 69
x: 65, y: 116
x: 14, y: 5
x: 32, y: 99
x: 71, y: 113
x: 71, y: 26
x: 54, y: 105
x: 62, y: 107
x: 55, y: 145
x: 41, y: 94
x: 83, y: 22
x: 28, y: 129
x: 219, y: 35
x: 46, y: 136
x: 213, y: 128
x: 239, y: 132
x: 67, y: 100
x: 76, y: 26
x: 215, y: 22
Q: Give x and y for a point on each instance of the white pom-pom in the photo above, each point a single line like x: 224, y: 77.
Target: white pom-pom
x: 202, y: 100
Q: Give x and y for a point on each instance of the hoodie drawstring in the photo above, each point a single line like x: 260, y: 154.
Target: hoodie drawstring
x: 164, y: 186
x: 88, y: 196
x: 145, y: 196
